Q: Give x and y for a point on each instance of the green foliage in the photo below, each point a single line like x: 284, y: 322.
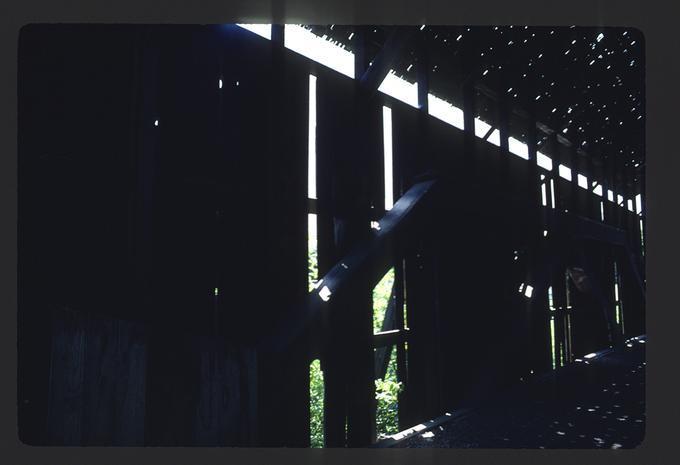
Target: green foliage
x: 312, y: 266
x: 381, y: 297
x: 387, y: 401
x: 387, y: 389
x: 316, y: 393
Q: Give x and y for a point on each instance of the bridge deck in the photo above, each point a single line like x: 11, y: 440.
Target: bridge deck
x: 600, y: 404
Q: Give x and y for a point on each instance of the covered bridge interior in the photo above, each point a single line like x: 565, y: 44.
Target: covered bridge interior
x: 206, y: 212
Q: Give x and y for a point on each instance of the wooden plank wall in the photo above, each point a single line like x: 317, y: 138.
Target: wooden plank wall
x: 123, y: 217
x: 74, y: 152
x: 97, y: 381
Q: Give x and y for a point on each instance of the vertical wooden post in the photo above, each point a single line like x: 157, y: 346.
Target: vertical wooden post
x: 573, y: 160
x: 359, y: 306
x: 504, y: 130
x: 468, y: 64
x: 469, y: 111
x: 619, y: 190
x: 347, y: 148
x: 422, y: 74
x: 556, y: 155
x: 536, y: 315
x: 593, y: 205
x: 278, y: 35
x: 599, y: 176
x: 607, y: 185
x: 420, y: 290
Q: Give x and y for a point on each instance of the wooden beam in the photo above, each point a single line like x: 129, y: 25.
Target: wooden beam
x: 278, y: 34
x: 469, y: 111
x: 489, y: 132
x: 376, y: 72
x: 367, y: 262
x: 360, y: 55
x: 577, y: 226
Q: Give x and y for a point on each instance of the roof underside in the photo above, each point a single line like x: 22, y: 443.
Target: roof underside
x: 585, y: 83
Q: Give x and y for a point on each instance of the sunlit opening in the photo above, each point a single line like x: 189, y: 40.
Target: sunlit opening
x: 312, y: 247
x: 582, y: 181
x: 387, y: 386
x: 553, y: 351
x: 311, y: 140
x: 495, y: 138
x: 387, y: 152
x: 316, y: 401
x: 544, y: 195
x: 617, y: 300
x: 518, y: 148
x: 638, y: 203
x: 325, y: 294
x: 616, y: 291
x: 544, y: 161
x: 387, y: 389
x: 564, y: 172
x: 400, y: 89
x: 445, y: 111
x: 382, y: 293
x: 308, y: 44
x: 481, y: 128
x: 552, y: 193
x: 262, y: 30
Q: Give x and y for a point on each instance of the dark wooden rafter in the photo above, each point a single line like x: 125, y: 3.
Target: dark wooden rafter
x: 360, y: 42
x: 278, y: 34
x: 374, y: 75
x: 489, y: 132
x: 590, y: 173
x: 504, y: 134
x: 573, y: 165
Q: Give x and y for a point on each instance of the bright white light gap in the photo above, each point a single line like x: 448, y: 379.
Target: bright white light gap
x: 565, y: 172
x: 387, y: 152
x: 306, y: 43
x: 262, y: 30
x: 311, y: 140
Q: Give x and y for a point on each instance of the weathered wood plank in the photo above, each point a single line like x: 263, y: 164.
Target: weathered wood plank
x: 66, y: 397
